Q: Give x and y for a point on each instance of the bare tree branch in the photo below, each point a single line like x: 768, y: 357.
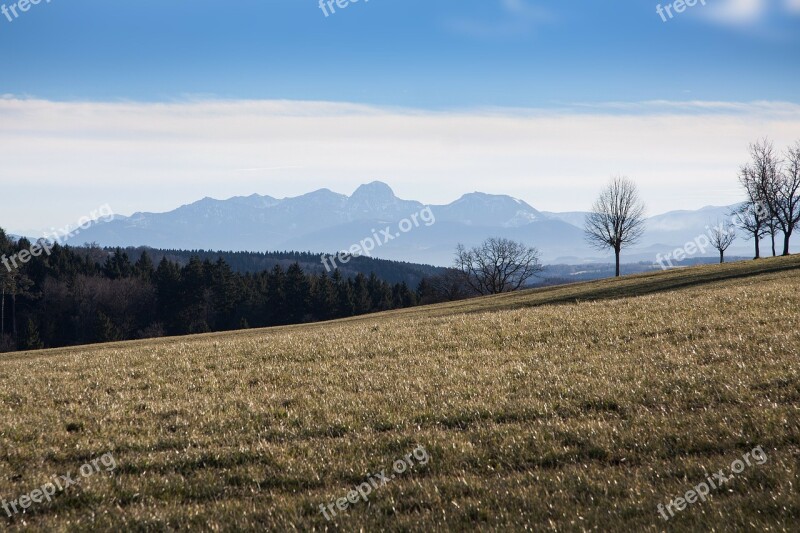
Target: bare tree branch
x: 722, y: 236
x: 497, y: 265
x: 617, y: 217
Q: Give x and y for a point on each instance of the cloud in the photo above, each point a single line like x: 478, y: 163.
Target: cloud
x: 749, y: 13
x: 63, y: 159
x: 738, y: 11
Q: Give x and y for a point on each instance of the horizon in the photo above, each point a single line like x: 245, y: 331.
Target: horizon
x: 28, y: 233
x: 539, y: 101
x: 708, y: 143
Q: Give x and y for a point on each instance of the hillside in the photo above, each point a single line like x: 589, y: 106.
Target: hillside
x: 567, y: 408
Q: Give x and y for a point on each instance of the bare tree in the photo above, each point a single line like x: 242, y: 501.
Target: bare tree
x: 772, y: 230
x: 786, y: 195
x: 722, y: 236
x: 756, y: 215
x: 763, y: 176
x: 497, y: 265
x: 751, y: 217
x: 617, y: 217
x: 451, y: 285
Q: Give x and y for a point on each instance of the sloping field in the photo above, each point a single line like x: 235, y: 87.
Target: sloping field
x: 569, y: 409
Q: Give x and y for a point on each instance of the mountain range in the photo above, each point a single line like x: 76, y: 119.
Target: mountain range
x: 326, y: 222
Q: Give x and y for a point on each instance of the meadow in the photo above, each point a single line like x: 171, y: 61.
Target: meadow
x: 572, y: 408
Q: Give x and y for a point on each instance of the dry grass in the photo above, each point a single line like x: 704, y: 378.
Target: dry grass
x: 576, y: 416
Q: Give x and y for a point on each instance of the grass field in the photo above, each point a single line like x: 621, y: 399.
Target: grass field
x: 570, y: 408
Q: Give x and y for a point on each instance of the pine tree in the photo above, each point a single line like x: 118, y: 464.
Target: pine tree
x: 276, y: 298
x: 144, y: 267
x: 105, y: 330
x: 168, y: 280
x: 195, y: 296
x: 361, y: 300
x: 344, y: 296
x: 402, y: 296
x: 32, y: 340
x: 225, y: 294
x: 118, y: 265
x: 323, y: 297
x: 298, y: 291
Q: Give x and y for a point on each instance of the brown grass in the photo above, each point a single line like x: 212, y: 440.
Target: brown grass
x: 537, y: 414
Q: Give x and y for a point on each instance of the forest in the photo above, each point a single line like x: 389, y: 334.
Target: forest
x: 73, y: 296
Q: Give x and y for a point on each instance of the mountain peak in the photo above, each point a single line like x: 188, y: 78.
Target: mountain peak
x: 375, y: 189
x: 499, y: 199
x: 482, y: 209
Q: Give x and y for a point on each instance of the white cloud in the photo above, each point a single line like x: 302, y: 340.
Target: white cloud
x: 738, y: 11
x: 748, y: 13
x: 63, y: 159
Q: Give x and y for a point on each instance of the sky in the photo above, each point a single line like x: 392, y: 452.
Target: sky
x: 147, y: 105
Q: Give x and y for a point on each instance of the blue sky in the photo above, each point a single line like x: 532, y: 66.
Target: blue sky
x: 146, y: 105
x: 429, y: 54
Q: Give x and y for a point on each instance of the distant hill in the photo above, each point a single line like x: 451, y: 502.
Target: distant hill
x: 254, y: 262
x: 326, y: 222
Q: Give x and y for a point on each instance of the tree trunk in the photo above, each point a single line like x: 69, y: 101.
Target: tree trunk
x: 773, y: 244
x: 3, y: 314
x: 786, y: 237
x: 616, y: 253
x: 758, y: 248
x: 721, y: 257
x: 14, y: 314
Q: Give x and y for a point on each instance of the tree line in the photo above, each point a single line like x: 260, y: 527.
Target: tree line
x: 79, y: 296
x: 254, y: 262
x: 771, y: 182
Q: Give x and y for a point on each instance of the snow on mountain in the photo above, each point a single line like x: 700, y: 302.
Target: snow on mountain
x: 325, y: 221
